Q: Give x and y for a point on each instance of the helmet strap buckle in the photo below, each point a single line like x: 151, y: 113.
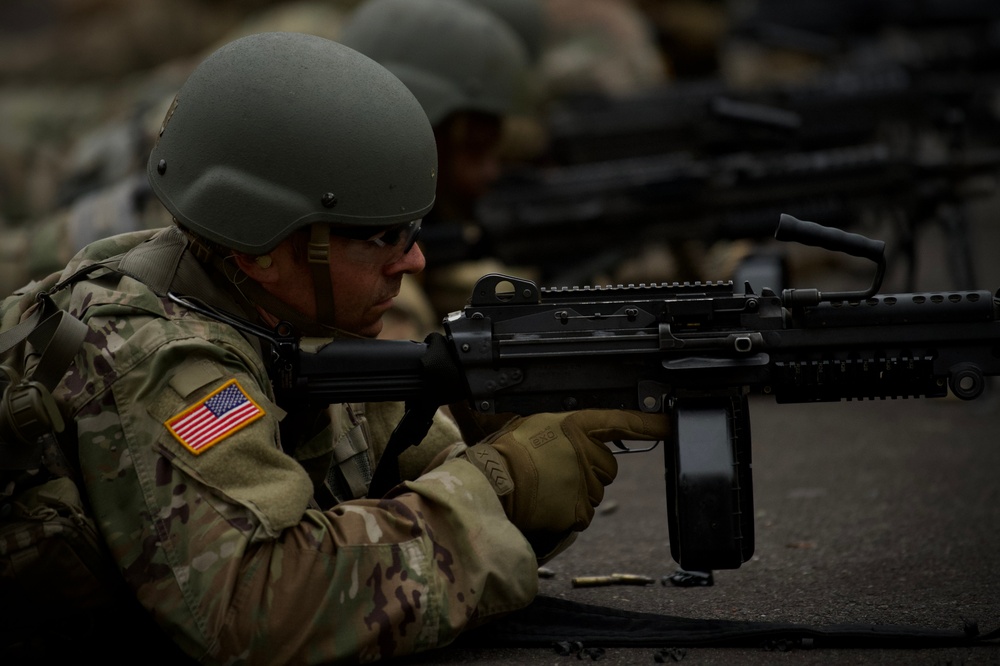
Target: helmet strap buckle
x: 318, y: 254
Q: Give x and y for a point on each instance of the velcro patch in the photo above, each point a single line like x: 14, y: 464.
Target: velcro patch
x: 491, y: 463
x: 224, y: 411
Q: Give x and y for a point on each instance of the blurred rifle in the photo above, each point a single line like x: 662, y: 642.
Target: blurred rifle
x: 708, y: 118
x: 572, y: 223
x: 701, y: 160
x: 933, y: 31
x: 884, y: 102
x: 939, y: 78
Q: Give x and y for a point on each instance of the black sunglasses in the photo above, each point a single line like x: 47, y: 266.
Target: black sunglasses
x: 395, y: 236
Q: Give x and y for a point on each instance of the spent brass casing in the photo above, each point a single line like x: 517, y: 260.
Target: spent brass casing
x: 613, y: 579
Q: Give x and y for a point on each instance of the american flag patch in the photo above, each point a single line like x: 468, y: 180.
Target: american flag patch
x: 220, y: 414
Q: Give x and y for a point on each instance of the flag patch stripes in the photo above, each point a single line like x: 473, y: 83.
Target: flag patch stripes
x: 221, y: 413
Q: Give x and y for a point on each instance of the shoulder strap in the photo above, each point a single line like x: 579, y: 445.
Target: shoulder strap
x: 57, y: 337
x: 164, y: 264
x: 27, y: 411
x: 54, y: 333
x: 15, y: 335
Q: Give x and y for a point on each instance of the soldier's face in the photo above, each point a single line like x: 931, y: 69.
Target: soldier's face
x: 468, y: 160
x: 363, y: 291
x: 365, y: 281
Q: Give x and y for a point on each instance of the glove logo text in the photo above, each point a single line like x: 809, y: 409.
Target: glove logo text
x: 542, y: 438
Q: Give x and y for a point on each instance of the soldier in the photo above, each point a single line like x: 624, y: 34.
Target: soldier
x: 297, y: 172
x: 99, y: 188
x: 467, y: 68
x: 600, y: 46
x: 525, y: 137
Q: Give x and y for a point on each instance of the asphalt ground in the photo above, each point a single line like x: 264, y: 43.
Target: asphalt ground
x: 884, y: 512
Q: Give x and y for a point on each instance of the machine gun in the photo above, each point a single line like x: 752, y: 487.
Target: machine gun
x: 709, y: 117
x: 880, y: 101
x: 943, y: 83
x: 694, y: 351
x: 571, y: 223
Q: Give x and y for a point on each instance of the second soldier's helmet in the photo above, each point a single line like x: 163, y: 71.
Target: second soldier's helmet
x: 276, y: 131
x: 526, y: 17
x: 454, y: 56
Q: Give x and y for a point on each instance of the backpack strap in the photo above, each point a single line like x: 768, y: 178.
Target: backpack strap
x: 15, y: 335
x: 58, y: 337
x: 28, y: 413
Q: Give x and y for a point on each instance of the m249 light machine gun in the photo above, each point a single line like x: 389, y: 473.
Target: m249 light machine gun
x: 695, y: 351
x: 571, y: 223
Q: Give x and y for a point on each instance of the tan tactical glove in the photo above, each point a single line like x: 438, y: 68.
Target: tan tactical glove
x: 550, y: 470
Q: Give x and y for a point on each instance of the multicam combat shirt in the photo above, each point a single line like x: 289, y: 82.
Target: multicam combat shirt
x: 215, y: 528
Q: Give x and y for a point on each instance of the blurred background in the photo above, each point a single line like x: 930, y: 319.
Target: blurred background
x: 665, y: 136
x: 664, y: 139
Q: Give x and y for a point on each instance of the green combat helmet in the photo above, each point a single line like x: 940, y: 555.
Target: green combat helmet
x: 454, y: 56
x: 526, y: 17
x: 276, y: 131
x: 280, y: 130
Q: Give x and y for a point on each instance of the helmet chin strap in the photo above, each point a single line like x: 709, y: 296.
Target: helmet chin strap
x: 257, y: 297
x: 319, y: 266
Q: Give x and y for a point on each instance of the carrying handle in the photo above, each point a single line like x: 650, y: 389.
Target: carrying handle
x: 791, y: 229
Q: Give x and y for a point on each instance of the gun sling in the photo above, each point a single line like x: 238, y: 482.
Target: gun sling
x: 548, y: 621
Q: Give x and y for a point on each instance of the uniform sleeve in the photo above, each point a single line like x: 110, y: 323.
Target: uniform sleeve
x: 209, y: 523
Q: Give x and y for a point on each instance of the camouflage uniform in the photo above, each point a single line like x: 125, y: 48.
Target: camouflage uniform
x: 604, y: 46
x: 35, y: 250
x: 230, y: 548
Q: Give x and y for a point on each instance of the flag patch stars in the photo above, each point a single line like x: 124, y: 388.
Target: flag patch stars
x: 220, y: 414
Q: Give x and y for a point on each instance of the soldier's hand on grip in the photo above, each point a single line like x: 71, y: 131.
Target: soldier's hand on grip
x: 550, y: 470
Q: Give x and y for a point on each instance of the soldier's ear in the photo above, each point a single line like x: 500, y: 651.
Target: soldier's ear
x: 258, y: 268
